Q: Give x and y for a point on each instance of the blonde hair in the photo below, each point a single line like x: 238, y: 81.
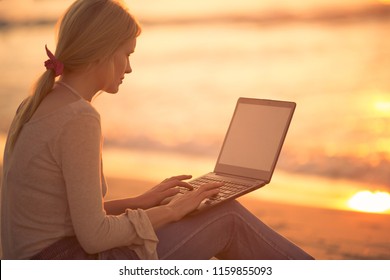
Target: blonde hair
x: 90, y: 30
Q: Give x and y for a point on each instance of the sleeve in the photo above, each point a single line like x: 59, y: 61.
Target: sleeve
x: 81, y: 146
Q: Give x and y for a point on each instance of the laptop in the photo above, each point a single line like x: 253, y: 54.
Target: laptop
x: 250, y: 149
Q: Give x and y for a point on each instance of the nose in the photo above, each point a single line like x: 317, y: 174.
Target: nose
x: 128, y: 69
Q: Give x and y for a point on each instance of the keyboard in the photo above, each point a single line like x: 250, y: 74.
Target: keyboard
x: 228, y: 190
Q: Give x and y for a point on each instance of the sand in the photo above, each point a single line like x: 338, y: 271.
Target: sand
x: 324, y: 233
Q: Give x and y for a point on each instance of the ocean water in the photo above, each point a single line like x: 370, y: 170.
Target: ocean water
x: 172, y: 112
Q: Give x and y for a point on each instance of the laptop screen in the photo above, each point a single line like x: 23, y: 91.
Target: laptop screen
x: 255, y: 137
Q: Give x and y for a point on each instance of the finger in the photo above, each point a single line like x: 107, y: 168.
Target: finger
x: 174, y: 184
x: 169, y: 198
x: 206, y: 190
x: 210, y: 186
x: 206, y: 194
x: 184, y: 185
x: 211, y: 192
x: 181, y: 177
x: 171, y: 192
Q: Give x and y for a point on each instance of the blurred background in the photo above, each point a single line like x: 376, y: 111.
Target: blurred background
x: 195, y: 58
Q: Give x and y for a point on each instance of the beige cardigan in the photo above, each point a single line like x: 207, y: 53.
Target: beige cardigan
x: 53, y: 187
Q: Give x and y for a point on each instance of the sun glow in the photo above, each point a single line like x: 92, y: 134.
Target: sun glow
x: 373, y: 202
x: 383, y: 106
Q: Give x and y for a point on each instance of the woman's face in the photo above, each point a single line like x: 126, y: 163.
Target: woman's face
x: 111, y: 72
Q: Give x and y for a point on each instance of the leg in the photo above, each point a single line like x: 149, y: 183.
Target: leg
x: 227, y: 231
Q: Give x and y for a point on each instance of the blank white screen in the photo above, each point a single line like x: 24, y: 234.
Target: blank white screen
x: 254, y: 136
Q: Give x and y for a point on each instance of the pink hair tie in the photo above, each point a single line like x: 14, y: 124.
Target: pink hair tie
x: 53, y: 63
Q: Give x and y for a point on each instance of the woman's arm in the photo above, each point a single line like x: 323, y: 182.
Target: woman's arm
x: 153, y: 197
x: 79, y: 153
x: 119, y: 206
x: 176, y: 209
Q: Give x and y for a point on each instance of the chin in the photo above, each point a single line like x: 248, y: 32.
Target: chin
x: 112, y: 90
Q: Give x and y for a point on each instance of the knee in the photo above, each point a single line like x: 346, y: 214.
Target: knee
x: 231, y: 206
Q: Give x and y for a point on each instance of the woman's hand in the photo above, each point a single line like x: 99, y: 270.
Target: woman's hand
x: 189, y: 201
x: 181, y: 205
x: 166, y: 189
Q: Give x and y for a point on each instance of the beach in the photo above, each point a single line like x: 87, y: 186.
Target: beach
x: 194, y: 59
x: 326, y: 234
x: 171, y: 114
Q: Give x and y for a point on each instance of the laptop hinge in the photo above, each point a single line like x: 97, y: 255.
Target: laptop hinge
x: 237, y: 177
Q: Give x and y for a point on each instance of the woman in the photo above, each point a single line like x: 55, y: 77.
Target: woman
x: 53, y: 188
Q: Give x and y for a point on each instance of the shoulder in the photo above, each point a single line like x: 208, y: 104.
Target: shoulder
x: 82, y: 109
x: 81, y: 118
x: 80, y: 121
x: 77, y: 119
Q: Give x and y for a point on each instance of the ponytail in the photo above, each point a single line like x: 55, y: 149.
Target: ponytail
x: 28, y: 107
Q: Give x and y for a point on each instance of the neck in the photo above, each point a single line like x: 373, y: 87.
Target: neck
x: 82, y: 83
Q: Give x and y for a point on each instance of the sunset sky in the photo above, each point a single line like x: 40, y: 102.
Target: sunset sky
x: 349, y: 76
x: 173, y: 9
